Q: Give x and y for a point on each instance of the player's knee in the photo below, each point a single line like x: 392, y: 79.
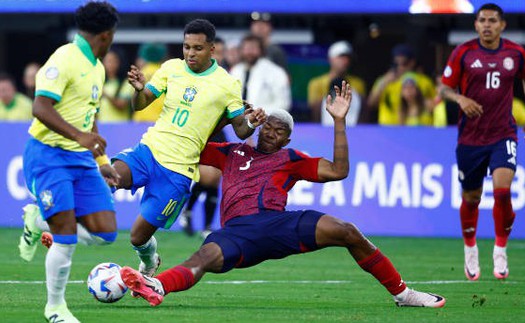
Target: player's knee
x: 103, y: 238
x: 352, y: 235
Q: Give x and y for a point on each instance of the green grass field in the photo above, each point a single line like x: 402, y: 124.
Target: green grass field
x: 324, y: 286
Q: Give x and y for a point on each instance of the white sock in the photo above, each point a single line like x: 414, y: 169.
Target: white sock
x: 58, y: 265
x: 41, y: 223
x: 147, y: 251
x: 401, y: 296
x: 86, y: 238
x: 499, y: 250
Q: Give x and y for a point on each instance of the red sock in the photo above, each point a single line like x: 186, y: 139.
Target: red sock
x: 384, y: 271
x: 176, y: 279
x: 468, y: 213
x: 503, y: 215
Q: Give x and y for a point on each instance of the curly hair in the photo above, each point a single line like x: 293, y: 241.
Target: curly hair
x: 201, y: 26
x: 96, y: 16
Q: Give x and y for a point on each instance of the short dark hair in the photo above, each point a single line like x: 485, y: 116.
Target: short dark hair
x: 201, y: 26
x: 491, y: 6
x: 7, y: 77
x: 254, y: 38
x: 219, y: 40
x: 96, y: 16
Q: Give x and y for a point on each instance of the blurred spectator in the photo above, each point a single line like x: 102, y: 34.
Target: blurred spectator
x: 29, y: 79
x: 261, y: 26
x: 339, y: 58
x: 445, y: 112
x: 386, y: 91
x: 232, y: 55
x: 14, y: 106
x: 115, y: 105
x: 152, y: 56
x: 264, y: 83
x: 219, y: 54
x: 352, y: 116
x: 414, y: 110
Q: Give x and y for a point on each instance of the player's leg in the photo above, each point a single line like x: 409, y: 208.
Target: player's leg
x: 472, y: 168
x: 331, y: 231
x: 503, y: 167
x: 210, y: 183
x: 209, y: 258
x: 187, y: 215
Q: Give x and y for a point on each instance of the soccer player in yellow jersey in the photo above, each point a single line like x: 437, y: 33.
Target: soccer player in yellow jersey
x: 59, y: 164
x: 198, y: 93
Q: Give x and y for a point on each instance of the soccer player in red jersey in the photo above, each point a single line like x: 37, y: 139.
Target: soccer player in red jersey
x: 255, y: 225
x: 479, y: 76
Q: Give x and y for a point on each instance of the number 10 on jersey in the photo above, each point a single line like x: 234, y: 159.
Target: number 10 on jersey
x: 180, y: 117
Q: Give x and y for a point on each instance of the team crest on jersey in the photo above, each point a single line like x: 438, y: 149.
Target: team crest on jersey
x: 94, y: 92
x: 508, y: 63
x: 46, y: 197
x: 189, y: 94
x: 51, y: 73
x: 448, y: 71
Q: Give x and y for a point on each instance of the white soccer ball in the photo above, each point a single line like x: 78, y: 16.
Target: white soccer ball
x: 105, y: 284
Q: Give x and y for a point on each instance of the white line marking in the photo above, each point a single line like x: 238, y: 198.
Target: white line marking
x: 241, y: 282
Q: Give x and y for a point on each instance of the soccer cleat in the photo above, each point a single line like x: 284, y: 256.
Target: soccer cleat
x: 501, y: 270
x: 472, y: 270
x: 31, y: 234
x: 148, y: 271
x: 146, y: 287
x: 46, y: 240
x: 413, y: 298
x: 59, y: 313
x: 185, y: 222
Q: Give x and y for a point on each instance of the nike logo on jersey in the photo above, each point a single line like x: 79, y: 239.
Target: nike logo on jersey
x: 83, y: 74
x: 476, y: 64
x: 248, y: 164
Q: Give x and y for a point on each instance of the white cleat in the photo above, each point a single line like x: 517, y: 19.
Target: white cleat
x: 147, y: 271
x: 501, y: 269
x: 31, y: 236
x: 472, y: 270
x: 59, y: 314
x: 413, y: 298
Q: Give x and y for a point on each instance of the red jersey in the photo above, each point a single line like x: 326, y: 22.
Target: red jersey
x: 254, y: 181
x: 487, y: 77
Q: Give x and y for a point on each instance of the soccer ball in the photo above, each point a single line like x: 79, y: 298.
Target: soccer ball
x: 105, y: 284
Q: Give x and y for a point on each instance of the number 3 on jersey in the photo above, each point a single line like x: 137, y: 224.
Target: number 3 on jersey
x: 180, y: 117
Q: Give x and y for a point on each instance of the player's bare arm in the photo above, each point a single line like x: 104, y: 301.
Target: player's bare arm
x: 44, y: 111
x: 338, y: 108
x: 470, y: 107
x: 142, y: 96
x: 244, y: 125
x: 109, y: 173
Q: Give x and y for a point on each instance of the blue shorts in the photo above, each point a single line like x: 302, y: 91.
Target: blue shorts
x: 473, y: 161
x: 248, y: 240
x: 64, y: 180
x: 165, y: 191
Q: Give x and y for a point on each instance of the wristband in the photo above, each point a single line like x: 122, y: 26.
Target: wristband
x: 249, y: 124
x: 102, y: 160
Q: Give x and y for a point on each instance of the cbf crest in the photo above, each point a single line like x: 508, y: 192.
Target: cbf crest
x: 46, y: 197
x: 189, y: 94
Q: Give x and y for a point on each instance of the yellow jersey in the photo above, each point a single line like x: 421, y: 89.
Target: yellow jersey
x: 73, y: 77
x: 19, y: 109
x: 318, y: 87
x: 193, y: 105
x: 119, y: 89
x: 151, y: 112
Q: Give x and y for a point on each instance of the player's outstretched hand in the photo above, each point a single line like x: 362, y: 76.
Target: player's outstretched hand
x: 136, y: 78
x: 338, y: 107
x: 94, y: 142
x: 470, y: 107
x: 110, y: 175
x: 256, y: 116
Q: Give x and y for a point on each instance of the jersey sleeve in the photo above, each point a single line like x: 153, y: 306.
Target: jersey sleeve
x: 159, y: 81
x: 52, y: 78
x: 303, y: 166
x: 452, y: 73
x: 234, y: 103
x: 215, y: 154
